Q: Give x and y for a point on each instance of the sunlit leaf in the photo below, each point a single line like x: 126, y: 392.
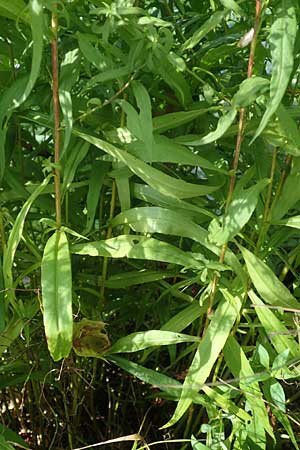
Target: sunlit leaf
x: 282, y: 39
x: 56, y: 279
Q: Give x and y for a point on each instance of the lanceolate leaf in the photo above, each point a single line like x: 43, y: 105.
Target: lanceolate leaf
x: 56, y: 279
x: 266, y: 283
x: 241, y: 369
x: 207, y: 353
x: 16, y: 10
x: 214, y: 20
x: 144, y: 339
x: 275, y: 329
x: 239, y: 213
x: 15, y: 237
x: 68, y: 74
x: 158, y: 180
x: 166, y: 221
x: 282, y: 39
x: 21, y: 88
x: 224, y: 123
x: 137, y: 247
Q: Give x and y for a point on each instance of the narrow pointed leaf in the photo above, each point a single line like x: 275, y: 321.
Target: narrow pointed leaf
x: 214, y: 20
x: 207, y: 353
x: 15, y: 237
x: 239, y: 213
x: 158, y: 180
x: 282, y: 40
x: 144, y: 339
x: 266, y: 283
x: 56, y: 281
x: 224, y: 123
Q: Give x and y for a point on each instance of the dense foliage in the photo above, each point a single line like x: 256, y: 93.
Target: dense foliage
x: 149, y: 222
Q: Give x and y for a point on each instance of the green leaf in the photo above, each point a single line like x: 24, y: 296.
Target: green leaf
x: 161, y: 220
x: 144, y: 339
x: 239, y: 213
x: 15, y: 237
x: 242, y: 370
x: 289, y: 195
x: 56, y: 280
x: 37, y: 29
x: 71, y: 161
x: 275, y: 329
x: 96, y: 179
x: 266, y: 283
x: 165, y: 149
x: 172, y: 77
x: 69, y: 72
x: 214, y: 20
x: 137, y: 247
x: 249, y: 90
x: 12, y: 437
x: 158, y: 180
x: 173, y: 120
x: 4, y: 445
x: 145, y: 116
x: 224, y: 123
x: 184, y: 318
x: 207, y: 353
x: 293, y: 222
x: 16, y: 9
x: 278, y: 395
x: 282, y: 39
x: 21, y: 88
x: 133, y: 278
x: 232, y: 4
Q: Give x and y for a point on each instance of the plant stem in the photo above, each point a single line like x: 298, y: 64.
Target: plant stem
x: 265, y: 225
x: 237, y: 152
x: 108, y: 235
x: 54, y: 57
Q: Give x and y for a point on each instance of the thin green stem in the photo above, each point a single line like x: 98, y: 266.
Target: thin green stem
x: 55, y: 84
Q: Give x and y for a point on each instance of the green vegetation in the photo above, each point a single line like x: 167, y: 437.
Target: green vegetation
x: 149, y: 223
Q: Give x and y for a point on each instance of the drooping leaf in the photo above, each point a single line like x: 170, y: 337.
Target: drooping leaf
x: 96, y: 180
x: 239, y: 213
x: 21, y: 88
x: 166, y: 150
x: 162, y: 220
x: 137, y: 247
x: 173, y: 120
x: 214, y: 20
x: 68, y: 75
x: 271, y: 289
x: 275, y: 329
x: 71, y: 161
x: 224, y: 123
x: 56, y: 280
x: 289, y: 195
x: 155, y: 178
x: 282, y: 40
x: 249, y: 90
x: 15, y: 237
x: 207, y: 353
x: 15, y: 10
x: 144, y: 339
x: 242, y: 370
